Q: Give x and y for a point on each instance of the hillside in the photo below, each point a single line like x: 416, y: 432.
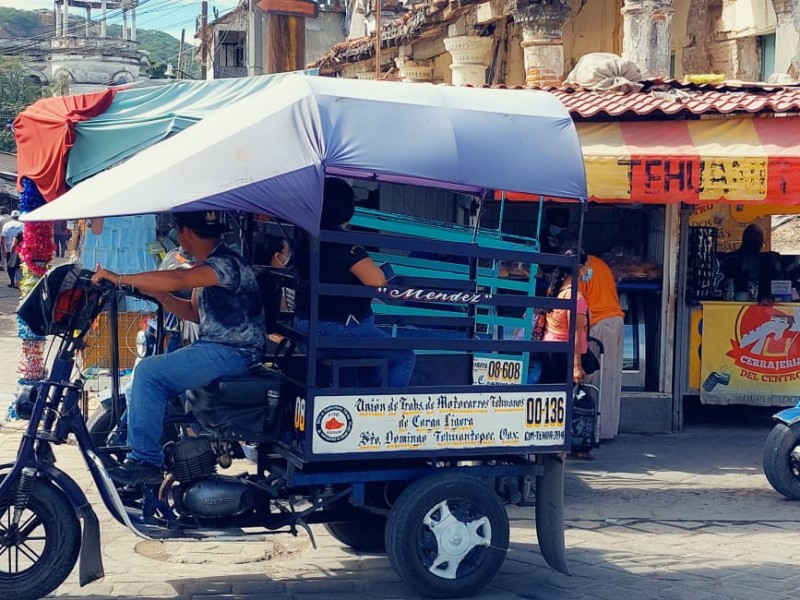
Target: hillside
x: 32, y: 24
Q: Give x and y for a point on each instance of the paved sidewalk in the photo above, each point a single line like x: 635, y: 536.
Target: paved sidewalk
x: 671, y: 516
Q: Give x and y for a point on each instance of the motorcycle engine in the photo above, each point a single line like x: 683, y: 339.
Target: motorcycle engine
x: 220, y: 496
x: 190, y: 460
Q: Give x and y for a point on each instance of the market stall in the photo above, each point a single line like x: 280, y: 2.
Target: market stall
x: 657, y: 185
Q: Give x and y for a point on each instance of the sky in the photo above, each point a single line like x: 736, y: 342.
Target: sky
x: 169, y: 16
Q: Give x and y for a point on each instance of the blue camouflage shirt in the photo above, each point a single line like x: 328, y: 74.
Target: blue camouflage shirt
x: 232, y: 312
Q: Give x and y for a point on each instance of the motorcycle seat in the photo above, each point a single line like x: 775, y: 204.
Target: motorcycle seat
x: 245, y: 407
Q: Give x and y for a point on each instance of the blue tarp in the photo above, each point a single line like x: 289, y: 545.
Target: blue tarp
x: 138, y: 118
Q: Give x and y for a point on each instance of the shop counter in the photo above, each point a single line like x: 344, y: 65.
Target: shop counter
x: 750, y: 353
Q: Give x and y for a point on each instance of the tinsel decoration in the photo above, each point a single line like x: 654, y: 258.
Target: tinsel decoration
x: 31, y: 367
x: 37, y: 238
x: 27, y: 282
x: 36, y: 253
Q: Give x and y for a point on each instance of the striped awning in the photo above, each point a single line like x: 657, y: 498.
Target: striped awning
x: 738, y: 160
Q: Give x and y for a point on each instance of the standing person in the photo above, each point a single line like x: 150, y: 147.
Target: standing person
x: 226, y: 302
x: 5, y: 217
x: 343, y: 316
x: 14, y: 260
x: 557, y: 328
x: 60, y: 237
x: 749, y: 270
x: 606, y: 324
x: 7, y: 236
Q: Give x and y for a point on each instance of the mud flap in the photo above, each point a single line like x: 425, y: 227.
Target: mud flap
x: 91, y: 560
x: 550, y: 512
x: 788, y: 416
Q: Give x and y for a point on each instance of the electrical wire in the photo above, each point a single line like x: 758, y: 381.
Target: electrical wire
x: 13, y: 53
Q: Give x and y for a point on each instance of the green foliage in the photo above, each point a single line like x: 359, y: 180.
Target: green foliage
x: 20, y: 23
x: 7, y: 143
x: 162, y: 47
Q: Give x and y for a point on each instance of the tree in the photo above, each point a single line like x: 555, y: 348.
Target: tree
x: 17, y: 90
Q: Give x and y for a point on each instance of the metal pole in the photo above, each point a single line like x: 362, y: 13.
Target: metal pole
x: 378, y: 27
x: 203, y: 40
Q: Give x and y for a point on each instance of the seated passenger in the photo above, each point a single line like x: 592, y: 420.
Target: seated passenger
x: 226, y: 302
x: 279, y: 253
x: 346, y: 316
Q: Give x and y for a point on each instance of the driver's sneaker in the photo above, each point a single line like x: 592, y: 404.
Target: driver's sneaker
x: 135, y: 472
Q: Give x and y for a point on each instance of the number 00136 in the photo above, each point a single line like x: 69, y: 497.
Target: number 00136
x: 544, y: 411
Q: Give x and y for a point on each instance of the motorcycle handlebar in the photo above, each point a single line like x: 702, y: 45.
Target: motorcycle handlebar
x: 128, y: 290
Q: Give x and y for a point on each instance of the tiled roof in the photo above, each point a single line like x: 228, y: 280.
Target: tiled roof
x: 409, y: 26
x: 661, y: 99
x: 674, y: 98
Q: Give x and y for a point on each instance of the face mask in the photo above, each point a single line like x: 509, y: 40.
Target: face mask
x: 555, y: 229
x: 587, y: 275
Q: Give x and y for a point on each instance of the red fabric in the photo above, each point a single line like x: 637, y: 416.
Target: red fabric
x: 45, y: 131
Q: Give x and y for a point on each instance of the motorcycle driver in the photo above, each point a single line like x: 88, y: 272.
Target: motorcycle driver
x: 226, y: 302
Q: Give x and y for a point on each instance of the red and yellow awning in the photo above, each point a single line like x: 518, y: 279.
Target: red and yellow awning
x: 739, y: 160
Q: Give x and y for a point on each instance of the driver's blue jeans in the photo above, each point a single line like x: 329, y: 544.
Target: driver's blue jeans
x: 159, y: 378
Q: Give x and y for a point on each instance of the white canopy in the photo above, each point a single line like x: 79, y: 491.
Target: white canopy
x: 269, y: 152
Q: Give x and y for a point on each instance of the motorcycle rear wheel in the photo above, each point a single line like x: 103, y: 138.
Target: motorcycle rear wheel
x: 781, y: 469
x: 40, y: 553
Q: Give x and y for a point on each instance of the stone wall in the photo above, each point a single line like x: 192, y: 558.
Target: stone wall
x: 705, y: 42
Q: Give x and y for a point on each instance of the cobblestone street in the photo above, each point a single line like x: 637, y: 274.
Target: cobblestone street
x: 688, y: 515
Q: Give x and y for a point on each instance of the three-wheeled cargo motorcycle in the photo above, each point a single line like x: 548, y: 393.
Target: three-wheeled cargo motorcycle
x: 424, y: 472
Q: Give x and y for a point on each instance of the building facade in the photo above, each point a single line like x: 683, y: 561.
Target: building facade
x: 537, y: 42
x: 237, y: 42
x: 79, y: 54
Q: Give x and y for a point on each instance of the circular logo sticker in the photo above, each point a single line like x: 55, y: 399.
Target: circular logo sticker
x: 334, y: 423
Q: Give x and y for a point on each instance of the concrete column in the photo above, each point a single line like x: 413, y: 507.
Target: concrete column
x: 133, y: 23
x: 542, y: 47
x: 88, y: 19
x: 103, y: 13
x: 471, y: 56
x: 415, y: 71
x: 65, y: 19
x: 646, y: 35
x: 124, y: 24
x: 787, y: 36
x: 59, y: 30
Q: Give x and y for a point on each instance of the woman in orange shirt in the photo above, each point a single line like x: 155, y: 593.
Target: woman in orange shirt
x: 557, y: 328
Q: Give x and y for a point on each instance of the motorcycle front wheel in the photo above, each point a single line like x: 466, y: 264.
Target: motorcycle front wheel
x: 780, y: 467
x: 38, y: 553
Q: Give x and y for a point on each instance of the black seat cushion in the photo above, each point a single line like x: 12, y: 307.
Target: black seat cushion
x: 246, y: 407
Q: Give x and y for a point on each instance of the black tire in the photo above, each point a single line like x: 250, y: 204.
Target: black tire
x: 367, y: 533
x: 465, y: 510
x: 783, y: 471
x: 47, y: 550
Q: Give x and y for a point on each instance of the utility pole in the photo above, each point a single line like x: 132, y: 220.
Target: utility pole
x: 204, y: 40
x: 180, y: 55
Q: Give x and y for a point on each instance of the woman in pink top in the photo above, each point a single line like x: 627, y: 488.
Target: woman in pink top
x: 557, y: 329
